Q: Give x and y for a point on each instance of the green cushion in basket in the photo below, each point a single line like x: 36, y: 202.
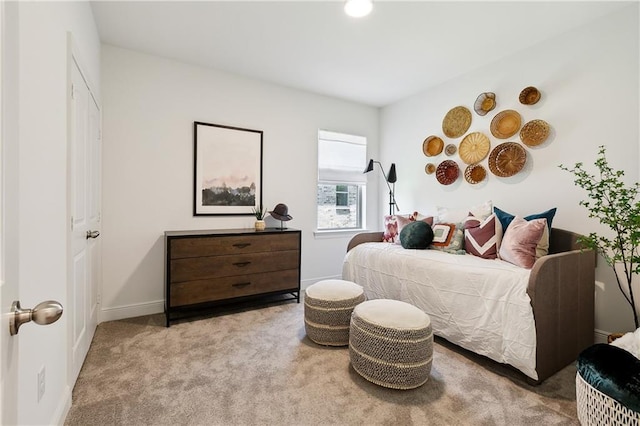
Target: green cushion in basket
x: 416, y: 235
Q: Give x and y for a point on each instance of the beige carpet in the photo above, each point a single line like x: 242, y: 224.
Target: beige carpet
x: 258, y: 368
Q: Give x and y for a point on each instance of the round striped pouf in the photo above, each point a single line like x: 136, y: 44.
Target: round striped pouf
x: 391, y: 343
x: 327, y: 310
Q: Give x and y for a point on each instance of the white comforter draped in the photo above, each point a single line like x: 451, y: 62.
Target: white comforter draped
x: 481, y: 305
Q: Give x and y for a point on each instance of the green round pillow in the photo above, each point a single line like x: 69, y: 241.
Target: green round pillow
x: 416, y: 235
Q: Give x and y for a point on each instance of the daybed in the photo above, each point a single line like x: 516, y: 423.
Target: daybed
x: 536, y: 320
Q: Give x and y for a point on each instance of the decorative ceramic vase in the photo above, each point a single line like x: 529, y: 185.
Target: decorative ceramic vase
x: 260, y: 225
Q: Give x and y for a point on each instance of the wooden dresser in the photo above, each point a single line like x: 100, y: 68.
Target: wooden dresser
x: 204, y: 269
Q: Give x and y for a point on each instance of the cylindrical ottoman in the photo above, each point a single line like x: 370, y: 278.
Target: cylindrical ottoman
x: 391, y: 343
x: 327, y: 310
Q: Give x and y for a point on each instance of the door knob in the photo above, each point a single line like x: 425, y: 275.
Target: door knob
x: 93, y: 234
x: 44, y: 313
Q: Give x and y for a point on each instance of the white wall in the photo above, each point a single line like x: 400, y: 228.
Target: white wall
x: 42, y: 183
x: 590, y: 94
x: 149, y: 107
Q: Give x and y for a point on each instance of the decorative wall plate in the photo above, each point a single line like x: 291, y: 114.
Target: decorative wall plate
x: 447, y: 172
x: 529, y: 96
x: 484, y: 103
x: 456, y: 122
x: 506, y: 124
x: 474, y: 147
x: 507, y: 159
x: 432, y: 146
x: 450, y: 149
x: 475, y: 173
x: 429, y: 168
x: 534, y: 132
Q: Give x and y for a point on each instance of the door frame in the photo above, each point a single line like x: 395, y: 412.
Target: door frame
x: 9, y: 208
x: 74, y: 59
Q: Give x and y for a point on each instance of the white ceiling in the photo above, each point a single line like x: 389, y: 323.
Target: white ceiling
x: 400, y: 49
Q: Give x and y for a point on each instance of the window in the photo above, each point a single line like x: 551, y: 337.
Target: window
x: 341, y: 181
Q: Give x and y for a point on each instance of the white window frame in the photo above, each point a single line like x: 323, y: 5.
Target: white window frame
x: 341, y: 161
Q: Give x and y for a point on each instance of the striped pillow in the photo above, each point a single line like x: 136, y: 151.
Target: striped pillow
x: 482, y: 237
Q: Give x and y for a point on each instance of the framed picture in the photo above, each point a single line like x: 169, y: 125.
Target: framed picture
x: 227, y: 170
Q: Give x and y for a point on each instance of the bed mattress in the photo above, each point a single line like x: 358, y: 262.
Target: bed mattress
x: 479, y: 304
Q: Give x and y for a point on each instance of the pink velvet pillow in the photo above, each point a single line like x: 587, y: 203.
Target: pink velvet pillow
x: 520, y: 241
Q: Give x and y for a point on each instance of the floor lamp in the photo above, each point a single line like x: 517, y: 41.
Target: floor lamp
x: 390, y: 180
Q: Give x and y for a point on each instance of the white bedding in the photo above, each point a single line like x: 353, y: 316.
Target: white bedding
x: 479, y: 304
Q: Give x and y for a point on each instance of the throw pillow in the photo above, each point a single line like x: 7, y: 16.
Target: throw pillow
x: 482, y: 238
x: 391, y: 227
x: 449, y: 215
x: 416, y: 235
x: 519, y: 242
x: 403, y: 221
x: 506, y: 218
x: 543, y: 245
x: 448, y: 237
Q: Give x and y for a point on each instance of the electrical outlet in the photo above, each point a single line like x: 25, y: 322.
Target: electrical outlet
x: 41, y: 383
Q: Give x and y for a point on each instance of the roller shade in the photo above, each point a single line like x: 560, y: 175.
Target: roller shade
x: 341, y: 158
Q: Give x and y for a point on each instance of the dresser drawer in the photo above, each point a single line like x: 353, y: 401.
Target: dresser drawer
x: 198, y: 268
x: 201, y: 291
x: 213, y: 268
x: 237, y: 244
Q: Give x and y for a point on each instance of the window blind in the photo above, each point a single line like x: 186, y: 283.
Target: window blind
x: 341, y: 158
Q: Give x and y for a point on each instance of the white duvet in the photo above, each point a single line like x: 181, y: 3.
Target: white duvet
x: 481, y: 305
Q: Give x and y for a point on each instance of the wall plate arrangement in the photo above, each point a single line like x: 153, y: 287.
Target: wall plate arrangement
x: 447, y: 172
x: 432, y: 146
x: 506, y: 159
x: 450, y: 149
x: 475, y: 173
x: 474, y: 147
x: 529, y: 96
x: 456, y: 122
x: 534, y: 132
x: 484, y: 103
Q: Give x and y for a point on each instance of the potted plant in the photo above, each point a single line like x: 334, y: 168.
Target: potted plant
x: 259, y: 213
x: 616, y: 206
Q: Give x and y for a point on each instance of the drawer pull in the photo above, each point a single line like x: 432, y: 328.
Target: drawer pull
x: 241, y: 264
x: 242, y: 245
x: 240, y: 284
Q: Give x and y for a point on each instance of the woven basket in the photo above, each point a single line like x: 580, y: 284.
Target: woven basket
x: 596, y: 408
x: 396, y: 358
x: 327, y: 322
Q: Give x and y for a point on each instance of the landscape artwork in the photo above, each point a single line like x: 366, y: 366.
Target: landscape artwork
x: 227, y: 170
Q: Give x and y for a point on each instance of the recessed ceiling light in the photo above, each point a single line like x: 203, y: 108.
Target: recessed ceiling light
x: 358, y: 8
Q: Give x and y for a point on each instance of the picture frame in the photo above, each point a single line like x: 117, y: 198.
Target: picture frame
x: 227, y: 163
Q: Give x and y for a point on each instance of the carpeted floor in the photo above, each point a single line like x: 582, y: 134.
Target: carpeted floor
x: 257, y: 367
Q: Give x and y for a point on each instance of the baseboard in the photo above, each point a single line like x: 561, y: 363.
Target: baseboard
x: 131, y: 311
x: 306, y: 283
x: 63, y: 408
x: 157, y: 307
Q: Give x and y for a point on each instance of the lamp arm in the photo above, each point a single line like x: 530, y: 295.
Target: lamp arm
x: 392, y: 193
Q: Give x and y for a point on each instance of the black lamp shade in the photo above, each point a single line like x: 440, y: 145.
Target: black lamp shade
x: 392, y: 174
x: 369, y: 167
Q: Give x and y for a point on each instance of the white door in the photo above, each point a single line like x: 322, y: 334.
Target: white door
x: 84, y: 182
x: 8, y: 212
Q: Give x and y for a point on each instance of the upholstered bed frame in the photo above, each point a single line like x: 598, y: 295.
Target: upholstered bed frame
x: 561, y: 288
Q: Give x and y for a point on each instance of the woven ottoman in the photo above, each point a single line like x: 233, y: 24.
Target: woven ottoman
x: 327, y: 310
x: 391, y: 343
